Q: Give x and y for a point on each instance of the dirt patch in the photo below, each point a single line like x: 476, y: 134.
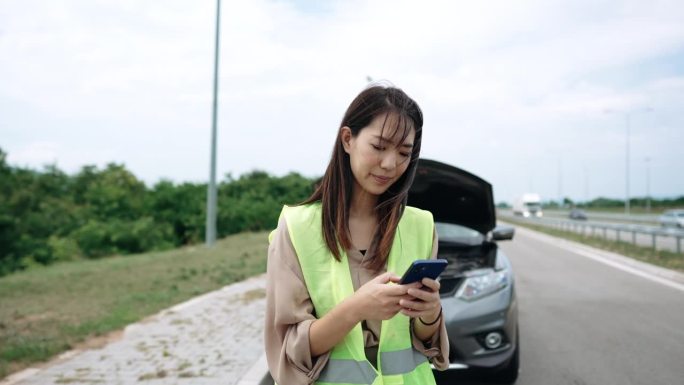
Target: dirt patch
x: 98, y: 342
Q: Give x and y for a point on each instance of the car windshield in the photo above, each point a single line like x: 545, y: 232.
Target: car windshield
x: 681, y: 215
x: 456, y: 233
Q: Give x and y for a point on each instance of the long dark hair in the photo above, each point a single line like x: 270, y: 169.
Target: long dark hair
x: 335, y: 189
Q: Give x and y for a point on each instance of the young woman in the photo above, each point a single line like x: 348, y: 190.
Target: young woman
x: 335, y: 311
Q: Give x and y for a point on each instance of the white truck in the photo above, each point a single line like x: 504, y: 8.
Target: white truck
x: 528, y: 205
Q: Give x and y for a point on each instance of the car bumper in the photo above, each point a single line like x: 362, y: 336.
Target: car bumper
x: 468, y: 322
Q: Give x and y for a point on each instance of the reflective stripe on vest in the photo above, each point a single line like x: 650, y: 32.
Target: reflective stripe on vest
x: 348, y: 372
x: 329, y: 282
x: 401, y: 361
x: 362, y: 372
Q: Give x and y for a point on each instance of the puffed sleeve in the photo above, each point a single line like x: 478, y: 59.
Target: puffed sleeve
x: 289, y: 314
x: 437, y: 348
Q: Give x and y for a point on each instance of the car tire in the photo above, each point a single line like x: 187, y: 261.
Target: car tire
x: 509, y: 373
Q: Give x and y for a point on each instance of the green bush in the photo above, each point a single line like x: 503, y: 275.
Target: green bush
x: 48, y: 216
x: 64, y: 249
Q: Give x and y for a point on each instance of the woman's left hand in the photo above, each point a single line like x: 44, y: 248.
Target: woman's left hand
x: 422, y: 302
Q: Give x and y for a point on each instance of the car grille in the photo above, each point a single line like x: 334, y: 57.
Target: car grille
x: 449, y: 285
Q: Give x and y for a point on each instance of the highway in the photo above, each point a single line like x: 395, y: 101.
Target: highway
x: 583, y: 321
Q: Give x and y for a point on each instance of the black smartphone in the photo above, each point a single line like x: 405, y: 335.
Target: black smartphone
x: 424, y: 268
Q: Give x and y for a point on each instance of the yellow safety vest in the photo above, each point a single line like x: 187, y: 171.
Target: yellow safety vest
x: 329, y: 282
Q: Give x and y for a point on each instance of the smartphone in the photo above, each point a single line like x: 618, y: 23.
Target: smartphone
x: 424, y: 268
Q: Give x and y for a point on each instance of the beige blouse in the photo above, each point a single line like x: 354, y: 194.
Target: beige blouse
x: 289, y: 314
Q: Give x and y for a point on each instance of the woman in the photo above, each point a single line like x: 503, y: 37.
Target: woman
x: 335, y: 311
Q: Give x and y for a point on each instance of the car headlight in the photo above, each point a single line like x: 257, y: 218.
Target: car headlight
x: 482, y: 283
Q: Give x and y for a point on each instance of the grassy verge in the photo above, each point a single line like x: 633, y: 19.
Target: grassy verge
x: 48, y: 310
x: 667, y: 259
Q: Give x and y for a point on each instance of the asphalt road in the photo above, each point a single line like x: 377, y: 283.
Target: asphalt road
x: 585, y: 322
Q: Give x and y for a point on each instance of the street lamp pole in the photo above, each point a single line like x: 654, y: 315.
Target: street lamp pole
x: 627, y: 164
x: 627, y: 127
x: 210, y: 233
x: 648, y: 184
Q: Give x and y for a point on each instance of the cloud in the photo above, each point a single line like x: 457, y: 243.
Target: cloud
x: 515, y: 83
x: 36, y: 153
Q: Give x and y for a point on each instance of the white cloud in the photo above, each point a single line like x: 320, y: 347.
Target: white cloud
x: 501, y: 83
x: 36, y: 153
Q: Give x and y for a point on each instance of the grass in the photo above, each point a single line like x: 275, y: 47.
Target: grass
x: 47, y: 310
x: 662, y: 258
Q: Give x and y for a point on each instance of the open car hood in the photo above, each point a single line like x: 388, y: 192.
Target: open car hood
x: 453, y: 196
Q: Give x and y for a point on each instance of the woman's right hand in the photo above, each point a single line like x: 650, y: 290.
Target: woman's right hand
x: 378, y: 299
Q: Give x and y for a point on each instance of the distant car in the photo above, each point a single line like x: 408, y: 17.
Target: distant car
x: 672, y: 218
x: 578, y: 215
x: 477, y: 288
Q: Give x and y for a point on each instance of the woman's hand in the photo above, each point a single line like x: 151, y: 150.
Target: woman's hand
x: 424, y: 301
x: 380, y: 300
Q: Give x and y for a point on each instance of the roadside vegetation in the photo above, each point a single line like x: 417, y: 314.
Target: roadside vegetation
x: 638, y: 205
x: 83, y: 255
x: 663, y: 258
x: 47, y: 310
x: 48, y: 216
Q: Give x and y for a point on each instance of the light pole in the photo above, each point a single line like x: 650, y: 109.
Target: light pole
x: 627, y: 164
x: 586, y: 185
x: 648, y: 184
x: 210, y: 236
x: 560, y: 183
x: 627, y: 115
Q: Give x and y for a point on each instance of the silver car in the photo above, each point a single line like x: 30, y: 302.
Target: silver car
x: 672, y: 218
x: 477, y: 288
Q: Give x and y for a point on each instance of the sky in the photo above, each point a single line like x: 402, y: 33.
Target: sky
x: 532, y: 96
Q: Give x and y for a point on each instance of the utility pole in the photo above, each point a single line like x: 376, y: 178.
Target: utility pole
x: 648, y: 184
x: 627, y: 164
x: 560, y: 183
x: 211, y: 189
x: 586, y: 185
x: 627, y: 115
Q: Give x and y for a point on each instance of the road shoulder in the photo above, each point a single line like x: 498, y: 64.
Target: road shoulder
x: 658, y: 274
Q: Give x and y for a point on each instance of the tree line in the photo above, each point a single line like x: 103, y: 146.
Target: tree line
x: 48, y: 216
x: 606, y: 203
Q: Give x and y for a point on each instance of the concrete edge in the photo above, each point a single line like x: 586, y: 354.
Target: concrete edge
x: 19, y: 376
x: 31, y: 371
x: 258, y: 374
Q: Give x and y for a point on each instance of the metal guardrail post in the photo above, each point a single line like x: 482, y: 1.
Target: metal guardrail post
x: 653, y: 240
x: 634, y: 237
x: 679, y: 244
x: 617, y: 234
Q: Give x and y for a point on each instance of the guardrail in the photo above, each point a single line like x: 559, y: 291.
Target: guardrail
x: 609, y: 217
x: 599, y: 216
x: 658, y: 238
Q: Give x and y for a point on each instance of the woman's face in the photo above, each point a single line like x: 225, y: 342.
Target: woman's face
x: 377, y: 162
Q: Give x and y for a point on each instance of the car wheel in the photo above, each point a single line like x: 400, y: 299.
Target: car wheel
x: 509, y: 373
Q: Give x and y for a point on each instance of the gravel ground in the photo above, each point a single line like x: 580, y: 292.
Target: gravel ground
x: 215, y: 338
